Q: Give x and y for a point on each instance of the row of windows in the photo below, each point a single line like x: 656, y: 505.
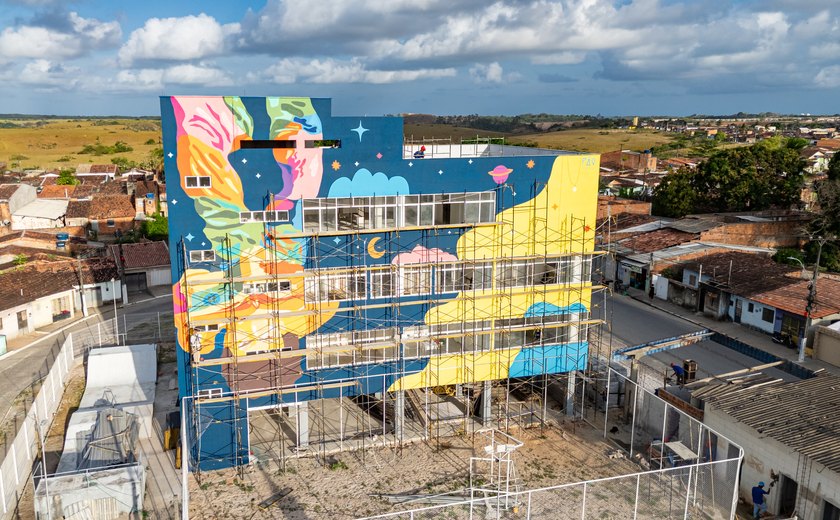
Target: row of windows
x: 197, y: 181
x: 263, y: 216
x: 448, y: 277
x: 358, y: 213
x: 346, y: 351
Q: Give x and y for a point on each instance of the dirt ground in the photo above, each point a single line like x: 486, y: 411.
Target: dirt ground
x: 342, y: 487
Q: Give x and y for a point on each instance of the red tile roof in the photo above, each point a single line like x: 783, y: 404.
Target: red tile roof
x: 110, y: 206
x: 142, y: 254
x: 24, y: 284
x: 56, y: 191
x: 659, y: 239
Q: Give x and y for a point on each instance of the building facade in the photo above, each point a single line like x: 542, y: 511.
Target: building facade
x: 318, y: 257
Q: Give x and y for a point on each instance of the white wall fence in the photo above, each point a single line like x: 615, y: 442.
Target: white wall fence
x: 26, y: 446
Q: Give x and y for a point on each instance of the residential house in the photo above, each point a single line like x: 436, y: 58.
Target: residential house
x: 37, y: 294
x: 97, y: 171
x: 111, y: 215
x: 755, y: 291
x: 816, y: 158
x: 827, y: 343
x: 78, y: 212
x: 56, y: 191
x: 143, y: 265
x: 12, y: 198
x: 145, y: 197
x: 40, y: 214
x: 626, y: 160
x: 789, y: 433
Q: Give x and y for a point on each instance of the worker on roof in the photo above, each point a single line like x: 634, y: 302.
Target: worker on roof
x: 759, y: 504
x: 679, y: 373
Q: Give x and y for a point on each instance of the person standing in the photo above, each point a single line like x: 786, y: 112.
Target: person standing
x: 759, y: 504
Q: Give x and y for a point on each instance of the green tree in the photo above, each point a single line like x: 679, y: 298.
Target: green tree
x: 156, y: 228
x: 20, y: 259
x: 675, y: 196
x: 834, y: 167
x: 67, y: 178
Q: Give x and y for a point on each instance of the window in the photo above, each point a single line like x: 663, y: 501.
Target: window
x: 263, y: 216
x: 340, y: 286
x: 751, y: 307
x: 456, y: 277
x: 206, y: 328
x: 197, y: 181
x: 767, y: 315
x: 347, y: 348
x: 210, y: 393
x: 383, y: 284
x: 282, y: 287
x: 692, y: 280
x: 354, y: 213
x: 202, y: 255
x: 415, y: 280
x: 265, y: 144
x: 109, y: 222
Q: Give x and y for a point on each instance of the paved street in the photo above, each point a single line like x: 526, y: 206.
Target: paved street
x: 633, y: 322
x: 23, y: 369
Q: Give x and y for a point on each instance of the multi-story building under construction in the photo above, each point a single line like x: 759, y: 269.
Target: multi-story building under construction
x: 324, y: 265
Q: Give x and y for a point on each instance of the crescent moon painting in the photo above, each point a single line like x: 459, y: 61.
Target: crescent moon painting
x: 372, y: 248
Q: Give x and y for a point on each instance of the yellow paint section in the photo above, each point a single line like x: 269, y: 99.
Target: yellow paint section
x: 559, y: 220
x: 458, y: 369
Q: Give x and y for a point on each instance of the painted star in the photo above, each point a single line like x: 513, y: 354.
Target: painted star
x: 587, y: 228
x: 337, y: 240
x: 410, y: 164
x: 171, y: 155
x: 359, y: 130
x: 174, y: 201
x: 189, y: 237
x: 555, y: 206
x: 258, y: 175
x: 336, y: 165
x: 244, y: 161
x: 530, y: 164
x: 440, y: 172
x: 204, y: 243
x: 379, y: 156
x: 356, y: 163
x: 470, y: 161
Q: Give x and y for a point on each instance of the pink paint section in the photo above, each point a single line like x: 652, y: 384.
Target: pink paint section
x: 208, y: 120
x: 178, y: 299
x: 421, y: 254
x: 307, y: 169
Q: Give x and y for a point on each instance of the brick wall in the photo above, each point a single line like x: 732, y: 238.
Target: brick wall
x: 612, y: 206
x: 758, y: 234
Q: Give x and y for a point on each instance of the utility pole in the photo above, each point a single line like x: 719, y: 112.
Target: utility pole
x: 811, y: 300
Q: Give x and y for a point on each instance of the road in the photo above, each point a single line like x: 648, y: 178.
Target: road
x: 633, y: 323
x: 28, y: 366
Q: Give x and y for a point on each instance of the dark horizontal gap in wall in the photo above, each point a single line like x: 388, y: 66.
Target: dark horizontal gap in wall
x: 262, y: 144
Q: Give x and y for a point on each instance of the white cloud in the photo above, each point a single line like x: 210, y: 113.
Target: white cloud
x: 828, y: 77
x: 156, y: 79
x: 298, y: 70
x: 47, y: 74
x: 491, y: 73
x: 186, y: 38
x: 84, y: 35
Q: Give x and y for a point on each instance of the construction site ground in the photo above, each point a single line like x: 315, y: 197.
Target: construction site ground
x: 346, y: 485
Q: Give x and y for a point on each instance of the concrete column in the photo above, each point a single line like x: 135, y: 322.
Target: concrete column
x: 399, y: 414
x: 486, y: 402
x: 302, y: 421
x: 570, y: 394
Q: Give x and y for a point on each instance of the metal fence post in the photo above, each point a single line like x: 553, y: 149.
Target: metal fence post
x: 636, y: 503
x: 583, y: 505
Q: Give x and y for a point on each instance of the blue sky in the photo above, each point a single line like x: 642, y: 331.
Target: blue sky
x: 627, y: 57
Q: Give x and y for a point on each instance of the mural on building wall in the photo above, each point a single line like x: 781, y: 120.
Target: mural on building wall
x: 227, y: 184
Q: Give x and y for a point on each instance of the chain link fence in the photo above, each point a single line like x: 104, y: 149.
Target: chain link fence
x: 688, y: 471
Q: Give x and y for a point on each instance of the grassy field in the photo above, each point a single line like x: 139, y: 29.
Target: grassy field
x: 434, y: 131
x: 56, y: 143
x: 594, y: 140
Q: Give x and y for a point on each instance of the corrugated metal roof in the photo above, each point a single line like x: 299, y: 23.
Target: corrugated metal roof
x: 803, y: 415
x: 52, y: 209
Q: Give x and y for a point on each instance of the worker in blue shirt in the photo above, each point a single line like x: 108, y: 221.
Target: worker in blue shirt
x: 679, y: 372
x: 759, y: 505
